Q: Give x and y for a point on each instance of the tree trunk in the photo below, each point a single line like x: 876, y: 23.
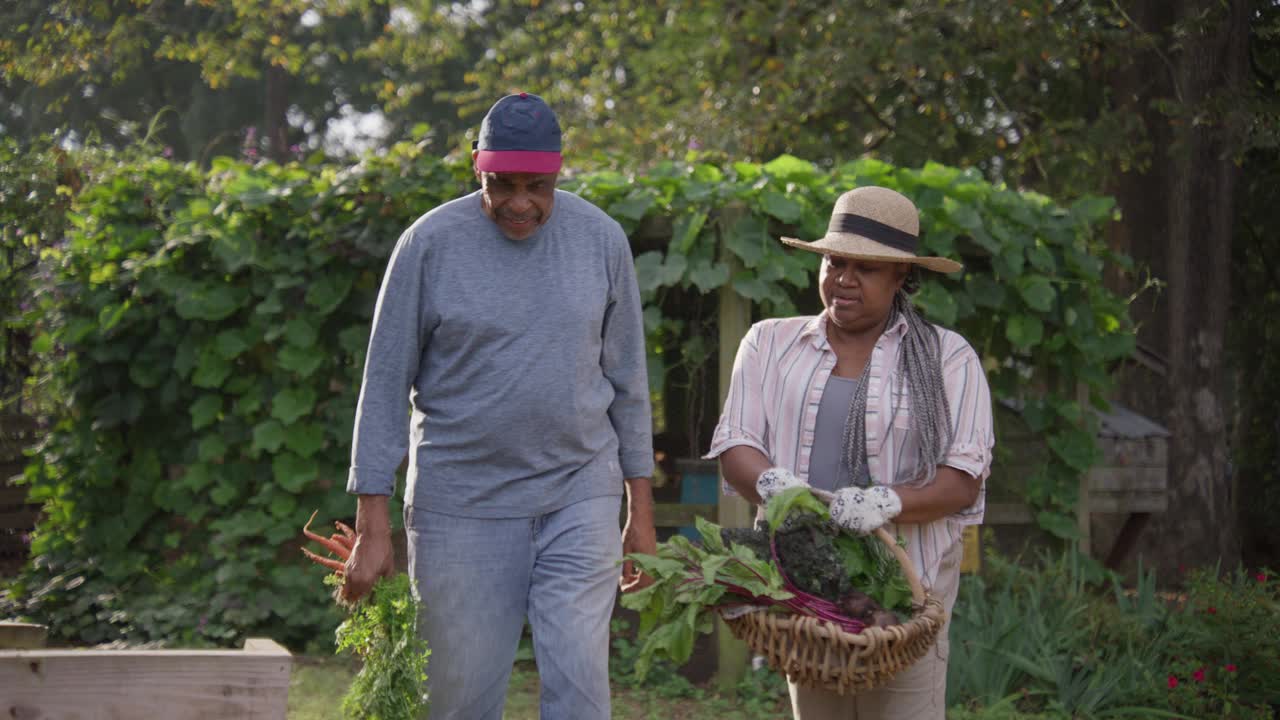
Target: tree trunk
x: 277, y: 107
x: 1178, y: 221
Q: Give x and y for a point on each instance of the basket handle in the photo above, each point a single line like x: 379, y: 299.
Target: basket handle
x: 908, y: 568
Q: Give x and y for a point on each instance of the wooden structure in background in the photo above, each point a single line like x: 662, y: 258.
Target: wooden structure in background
x: 1131, y: 480
x: 248, y: 684
x: 17, y: 516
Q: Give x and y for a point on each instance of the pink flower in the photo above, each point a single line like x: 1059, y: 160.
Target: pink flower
x: 1212, y: 610
x: 1262, y: 577
x: 1173, y: 682
x: 1198, y: 675
x: 1230, y: 667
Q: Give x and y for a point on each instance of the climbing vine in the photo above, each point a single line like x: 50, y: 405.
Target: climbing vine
x: 203, y: 332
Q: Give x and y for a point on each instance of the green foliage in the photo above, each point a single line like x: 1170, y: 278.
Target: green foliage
x: 1225, y: 661
x: 690, y: 581
x: 209, y: 330
x: 1052, y: 636
x: 1031, y: 300
x: 382, y: 632
x: 203, y: 335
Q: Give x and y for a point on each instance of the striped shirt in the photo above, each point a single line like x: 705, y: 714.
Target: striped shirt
x: 779, y: 375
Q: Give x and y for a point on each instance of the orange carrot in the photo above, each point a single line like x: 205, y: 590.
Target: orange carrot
x: 337, y: 548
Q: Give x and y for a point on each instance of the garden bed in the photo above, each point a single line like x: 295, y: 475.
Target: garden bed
x: 248, y: 684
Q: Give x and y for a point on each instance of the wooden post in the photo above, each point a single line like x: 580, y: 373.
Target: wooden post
x: 1083, y: 512
x: 733, y: 511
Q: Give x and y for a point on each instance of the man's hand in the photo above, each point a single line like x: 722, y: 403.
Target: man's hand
x: 639, y: 535
x: 372, y: 557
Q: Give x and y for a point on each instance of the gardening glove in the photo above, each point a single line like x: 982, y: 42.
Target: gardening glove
x: 775, y: 480
x: 862, y: 510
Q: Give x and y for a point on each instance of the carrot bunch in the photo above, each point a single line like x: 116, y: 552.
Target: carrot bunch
x: 339, y: 543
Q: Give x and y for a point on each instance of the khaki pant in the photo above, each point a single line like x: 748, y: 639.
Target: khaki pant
x: 917, y: 693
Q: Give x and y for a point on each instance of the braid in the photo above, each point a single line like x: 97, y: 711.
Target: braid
x: 921, y: 365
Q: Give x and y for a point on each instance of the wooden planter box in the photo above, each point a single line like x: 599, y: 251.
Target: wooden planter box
x: 248, y: 684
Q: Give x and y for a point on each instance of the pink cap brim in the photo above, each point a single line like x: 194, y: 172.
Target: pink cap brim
x: 518, y: 161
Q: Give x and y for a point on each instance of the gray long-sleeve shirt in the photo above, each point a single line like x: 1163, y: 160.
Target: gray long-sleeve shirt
x: 523, y: 362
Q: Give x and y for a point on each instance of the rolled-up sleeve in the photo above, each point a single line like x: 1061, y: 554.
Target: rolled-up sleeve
x: 743, y: 420
x: 396, y: 342
x: 970, y: 399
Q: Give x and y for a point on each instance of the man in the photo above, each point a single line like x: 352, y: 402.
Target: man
x: 510, y: 321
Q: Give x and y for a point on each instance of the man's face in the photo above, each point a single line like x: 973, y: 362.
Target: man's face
x: 519, y: 203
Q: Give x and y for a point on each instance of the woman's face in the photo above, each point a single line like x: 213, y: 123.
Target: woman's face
x: 858, y: 294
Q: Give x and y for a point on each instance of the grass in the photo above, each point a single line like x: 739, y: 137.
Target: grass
x: 317, y: 686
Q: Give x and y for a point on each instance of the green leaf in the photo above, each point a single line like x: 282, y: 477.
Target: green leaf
x: 707, y: 276
x: 205, y: 410
x: 211, y: 369
x: 1042, y: 259
x: 780, y: 206
x: 938, y: 305
x: 633, y: 206
x: 230, y: 343
x: 292, y: 403
x: 746, y: 239
x: 212, y: 447
x: 649, y: 271
x: 788, y: 501
x: 710, y: 533
x: 1076, y: 448
x: 711, y: 566
x: 789, y: 168
x: 222, y: 494
x: 294, y: 473
x: 984, y: 290
x: 196, y: 477
x: 208, y: 302
x: 1038, y: 292
x: 302, y: 361
x: 300, y: 332
x: 304, y: 438
x: 685, y: 232
x: 268, y: 435
x: 1058, y: 524
x: 326, y: 293
x: 1024, y: 331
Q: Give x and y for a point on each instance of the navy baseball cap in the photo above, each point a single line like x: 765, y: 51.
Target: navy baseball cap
x: 520, y: 134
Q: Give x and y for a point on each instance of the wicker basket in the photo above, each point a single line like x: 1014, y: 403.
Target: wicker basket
x: 816, y: 654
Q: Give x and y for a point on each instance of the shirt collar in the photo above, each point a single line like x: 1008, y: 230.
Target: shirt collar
x: 816, y: 329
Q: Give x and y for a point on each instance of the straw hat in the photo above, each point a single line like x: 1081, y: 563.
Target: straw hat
x: 875, y: 223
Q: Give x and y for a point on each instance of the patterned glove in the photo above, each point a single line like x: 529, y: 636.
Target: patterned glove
x: 775, y: 480
x: 862, y: 510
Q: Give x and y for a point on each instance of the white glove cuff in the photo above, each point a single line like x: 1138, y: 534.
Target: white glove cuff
x: 775, y: 480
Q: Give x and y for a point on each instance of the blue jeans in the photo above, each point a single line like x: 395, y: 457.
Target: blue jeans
x: 478, y: 579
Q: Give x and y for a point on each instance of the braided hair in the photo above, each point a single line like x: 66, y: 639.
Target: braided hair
x: 921, y: 365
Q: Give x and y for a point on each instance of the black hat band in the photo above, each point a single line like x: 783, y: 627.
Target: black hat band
x: 873, y: 230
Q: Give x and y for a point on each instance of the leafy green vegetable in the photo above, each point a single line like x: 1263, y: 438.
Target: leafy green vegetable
x: 382, y: 632
x: 690, y: 582
x: 736, y: 566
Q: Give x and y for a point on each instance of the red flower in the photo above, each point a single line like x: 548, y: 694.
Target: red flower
x: 1198, y: 675
x: 1173, y: 682
x: 1230, y: 667
x: 1212, y: 610
x: 1182, y: 568
x: 1262, y: 577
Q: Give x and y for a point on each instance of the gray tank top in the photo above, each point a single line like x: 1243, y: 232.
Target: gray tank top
x: 826, y: 469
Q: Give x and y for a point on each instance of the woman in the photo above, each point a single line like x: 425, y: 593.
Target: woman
x: 872, y: 402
